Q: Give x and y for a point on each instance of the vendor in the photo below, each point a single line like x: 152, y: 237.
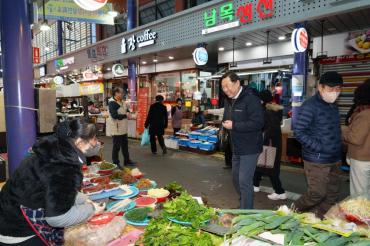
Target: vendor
x: 198, y: 118
x: 92, y: 108
x: 42, y: 196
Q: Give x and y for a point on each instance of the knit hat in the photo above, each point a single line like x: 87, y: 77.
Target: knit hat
x: 331, y: 79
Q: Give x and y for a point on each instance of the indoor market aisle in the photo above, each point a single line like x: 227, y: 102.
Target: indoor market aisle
x: 204, y: 176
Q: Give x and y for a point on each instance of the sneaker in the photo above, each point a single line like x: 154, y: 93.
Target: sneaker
x: 276, y: 197
x: 256, y: 189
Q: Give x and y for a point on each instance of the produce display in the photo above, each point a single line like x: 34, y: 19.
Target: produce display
x: 138, y: 214
x: 186, y: 209
x: 175, y: 189
x: 106, y: 166
x: 158, y: 193
x: 128, y: 178
x: 144, y: 184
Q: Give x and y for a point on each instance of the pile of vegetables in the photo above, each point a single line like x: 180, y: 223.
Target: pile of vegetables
x: 186, y: 209
x: 106, y: 166
x: 162, y: 232
x: 138, y: 214
x: 175, y: 189
x: 297, y: 228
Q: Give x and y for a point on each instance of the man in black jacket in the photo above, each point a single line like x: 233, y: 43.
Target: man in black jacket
x: 157, y: 121
x: 244, y: 117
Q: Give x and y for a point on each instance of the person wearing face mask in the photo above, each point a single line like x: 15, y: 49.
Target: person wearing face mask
x: 43, y: 195
x: 318, y: 130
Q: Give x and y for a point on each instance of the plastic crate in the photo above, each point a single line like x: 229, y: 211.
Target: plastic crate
x: 183, y: 142
x: 194, y: 135
x: 207, y: 146
x: 212, y: 139
x: 203, y: 137
x: 194, y: 144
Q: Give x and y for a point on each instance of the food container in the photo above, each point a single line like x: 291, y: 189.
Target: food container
x: 107, y: 171
x: 100, y: 180
x: 203, y: 137
x: 102, y: 219
x: 212, y: 139
x: 184, y: 142
x: 145, y: 201
x: 160, y: 198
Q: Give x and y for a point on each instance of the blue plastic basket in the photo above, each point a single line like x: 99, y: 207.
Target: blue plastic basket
x: 184, y: 142
x: 212, y: 139
x: 194, y: 135
x: 207, y: 146
x: 203, y: 137
x: 194, y: 144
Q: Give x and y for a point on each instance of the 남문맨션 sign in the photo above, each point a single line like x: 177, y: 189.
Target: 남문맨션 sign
x: 231, y: 15
x: 134, y: 42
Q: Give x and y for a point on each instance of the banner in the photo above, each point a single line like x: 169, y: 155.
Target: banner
x: 142, y: 109
x: 91, y: 88
x: 67, y: 10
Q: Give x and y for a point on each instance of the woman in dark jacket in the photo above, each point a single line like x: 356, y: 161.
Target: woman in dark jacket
x: 157, y: 121
x: 42, y: 196
x: 198, y: 118
x: 272, y: 135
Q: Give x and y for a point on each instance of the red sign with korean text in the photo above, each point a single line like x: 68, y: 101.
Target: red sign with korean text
x: 142, y: 109
x: 36, y: 55
x: 344, y: 59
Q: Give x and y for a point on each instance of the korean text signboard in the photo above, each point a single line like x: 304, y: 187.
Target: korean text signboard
x: 229, y: 15
x: 142, y: 109
x: 36, y: 55
x: 134, y: 42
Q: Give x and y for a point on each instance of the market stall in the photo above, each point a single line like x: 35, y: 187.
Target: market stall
x: 139, y: 213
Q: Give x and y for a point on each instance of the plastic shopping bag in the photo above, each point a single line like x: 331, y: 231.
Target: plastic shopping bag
x: 145, y: 137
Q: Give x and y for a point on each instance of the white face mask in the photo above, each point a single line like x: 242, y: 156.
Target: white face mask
x: 330, y: 97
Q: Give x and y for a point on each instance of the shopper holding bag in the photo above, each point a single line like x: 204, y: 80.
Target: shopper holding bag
x: 272, y: 137
x: 357, y: 137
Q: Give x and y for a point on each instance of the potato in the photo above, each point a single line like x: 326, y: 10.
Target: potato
x: 360, y: 44
x: 366, y: 45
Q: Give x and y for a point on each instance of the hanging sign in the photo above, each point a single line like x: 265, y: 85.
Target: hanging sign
x: 299, y: 40
x: 89, y: 75
x: 69, y: 10
x: 231, y: 15
x: 91, y: 88
x: 200, y: 56
x: 118, y: 70
x: 58, y: 80
x: 36, y: 55
x: 146, y: 39
x: 63, y: 63
x: 97, y: 53
x: 91, y: 5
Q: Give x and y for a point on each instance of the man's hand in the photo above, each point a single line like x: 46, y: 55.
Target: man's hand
x: 228, y: 124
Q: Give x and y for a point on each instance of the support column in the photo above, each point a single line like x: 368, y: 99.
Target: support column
x: 299, y: 80
x: 131, y: 24
x: 18, y: 80
x: 60, y: 37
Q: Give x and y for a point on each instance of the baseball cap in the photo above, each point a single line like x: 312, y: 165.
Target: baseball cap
x: 331, y: 79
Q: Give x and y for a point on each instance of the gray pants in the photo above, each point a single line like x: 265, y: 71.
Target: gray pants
x: 360, y: 177
x: 243, y: 172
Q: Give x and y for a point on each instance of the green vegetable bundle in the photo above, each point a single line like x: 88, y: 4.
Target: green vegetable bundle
x: 138, y: 214
x: 186, y: 209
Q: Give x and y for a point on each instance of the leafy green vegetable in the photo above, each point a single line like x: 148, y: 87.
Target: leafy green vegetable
x: 175, y: 189
x: 186, y: 209
x: 161, y: 232
x: 138, y: 214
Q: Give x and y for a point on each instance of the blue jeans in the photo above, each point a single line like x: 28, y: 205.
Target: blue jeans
x: 243, y: 172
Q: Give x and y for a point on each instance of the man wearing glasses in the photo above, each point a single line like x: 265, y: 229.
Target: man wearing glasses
x: 318, y: 130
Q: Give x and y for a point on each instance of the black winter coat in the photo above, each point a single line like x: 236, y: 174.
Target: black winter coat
x: 247, y: 116
x: 49, y: 179
x: 157, y: 119
x: 318, y: 130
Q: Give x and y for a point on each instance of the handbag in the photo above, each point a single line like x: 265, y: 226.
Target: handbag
x: 223, y: 136
x: 267, y: 158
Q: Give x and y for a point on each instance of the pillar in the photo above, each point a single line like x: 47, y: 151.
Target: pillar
x: 299, y: 80
x: 131, y: 24
x: 60, y: 37
x: 18, y: 80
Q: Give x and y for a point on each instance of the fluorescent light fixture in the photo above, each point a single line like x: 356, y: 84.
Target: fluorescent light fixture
x: 143, y: 62
x: 282, y: 38
x: 221, y: 49
x: 155, y: 60
x: 45, y: 27
x: 171, y: 57
x: 113, y: 13
x: 248, y: 44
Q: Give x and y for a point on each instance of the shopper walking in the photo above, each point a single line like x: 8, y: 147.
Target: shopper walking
x: 41, y: 197
x: 318, y: 130
x: 357, y: 137
x: 198, y: 119
x: 117, y: 127
x: 176, y: 113
x: 157, y: 122
x: 244, y: 117
x: 272, y: 137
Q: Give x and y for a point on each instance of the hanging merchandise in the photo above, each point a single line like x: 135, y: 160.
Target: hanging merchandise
x: 118, y: 70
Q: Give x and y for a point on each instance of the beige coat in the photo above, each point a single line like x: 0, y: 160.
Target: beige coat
x: 357, y: 136
x: 117, y: 127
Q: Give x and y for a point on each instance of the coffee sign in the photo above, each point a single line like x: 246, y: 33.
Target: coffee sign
x: 134, y: 42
